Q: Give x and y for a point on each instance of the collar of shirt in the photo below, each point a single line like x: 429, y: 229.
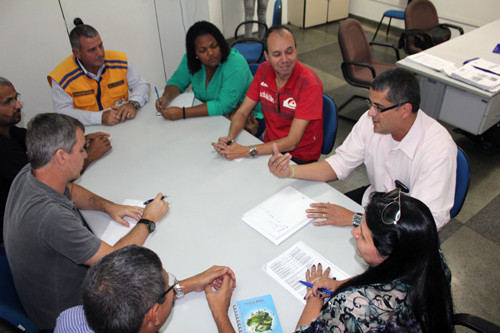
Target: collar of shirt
x: 91, y: 75
x: 411, y: 141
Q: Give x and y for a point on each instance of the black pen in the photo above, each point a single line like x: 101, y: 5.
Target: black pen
x: 229, y: 142
x: 151, y: 200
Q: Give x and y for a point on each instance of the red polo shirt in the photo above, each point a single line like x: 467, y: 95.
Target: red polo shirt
x: 301, y: 97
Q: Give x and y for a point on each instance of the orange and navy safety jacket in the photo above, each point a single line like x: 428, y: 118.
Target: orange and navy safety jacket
x: 89, y: 94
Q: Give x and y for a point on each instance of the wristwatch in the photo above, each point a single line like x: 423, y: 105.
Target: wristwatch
x: 253, y: 151
x: 149, y: 224
x: 178, y: 290
x: 136, y: 104
x: 356, y: 219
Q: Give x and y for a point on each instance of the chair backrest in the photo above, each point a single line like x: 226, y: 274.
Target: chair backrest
x: 251, y: 22
x: 462, y: 184
x: 329, y: 124
x: 251, y: 48
x: 421, y: 15
x: 11, y: 308
x: 354, y: 47
x: 253, y: 68
x: 277, y: 12
x: 353, y: 43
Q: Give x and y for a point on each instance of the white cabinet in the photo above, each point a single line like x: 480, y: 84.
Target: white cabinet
x: 308, y: 13
x: 337, y: 9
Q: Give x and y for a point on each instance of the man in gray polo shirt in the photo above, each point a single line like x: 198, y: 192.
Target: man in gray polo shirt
x: 49, y: 246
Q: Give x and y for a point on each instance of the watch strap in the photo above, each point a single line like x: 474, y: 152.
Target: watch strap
x: 149, y: 224
x: 136, y: 104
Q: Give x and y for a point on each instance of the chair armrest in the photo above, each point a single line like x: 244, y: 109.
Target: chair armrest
x: 446, y: 25
x: 387, y: 45
x: 475, y: 323
x: 357, y: 63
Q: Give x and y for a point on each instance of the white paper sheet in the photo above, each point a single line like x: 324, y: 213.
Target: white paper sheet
x: 431, y: 62
x: 290, y: 267
x: 281, y: 215
x: 115, y: 231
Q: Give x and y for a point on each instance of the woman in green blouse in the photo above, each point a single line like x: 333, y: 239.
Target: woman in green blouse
x: 406, y: 286
x: 219, y: 76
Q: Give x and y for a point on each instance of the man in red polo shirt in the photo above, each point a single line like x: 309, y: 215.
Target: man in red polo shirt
x: 291, y: 98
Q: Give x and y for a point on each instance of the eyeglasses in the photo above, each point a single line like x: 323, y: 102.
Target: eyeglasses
x: 392, y: 211
x: 172, y: 279
x: 378, y: 109
x: 12, y: 101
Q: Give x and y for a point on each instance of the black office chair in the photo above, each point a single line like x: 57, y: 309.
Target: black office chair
x: 475, y: 323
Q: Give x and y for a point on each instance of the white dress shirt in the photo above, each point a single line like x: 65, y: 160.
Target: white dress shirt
x: 425, y: 161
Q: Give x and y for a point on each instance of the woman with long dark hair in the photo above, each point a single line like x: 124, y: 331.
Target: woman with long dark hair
x: 219, y: 76
x: 404, y: 289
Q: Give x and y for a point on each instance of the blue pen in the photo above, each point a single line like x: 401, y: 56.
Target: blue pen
x: 158, y: 96
x: 323, y: 290
x: 151, y: 200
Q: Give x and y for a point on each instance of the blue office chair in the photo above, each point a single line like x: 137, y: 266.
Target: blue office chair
x: 462, y: 185
x: 329, y: 124
x: 277, y: 12
x: 391, y: 14
x: 11, y: 308
x: 251, y: 48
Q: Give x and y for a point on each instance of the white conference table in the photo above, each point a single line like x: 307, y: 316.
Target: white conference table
x: 455, y: 102
x: 208, y: 196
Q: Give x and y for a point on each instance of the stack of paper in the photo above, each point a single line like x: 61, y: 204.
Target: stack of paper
x: 431, y: 62
x: 291, y: 266
x: 479, y: 73
x: 281, y: 215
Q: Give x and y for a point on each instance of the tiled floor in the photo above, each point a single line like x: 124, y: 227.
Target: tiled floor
x: 471, y: 241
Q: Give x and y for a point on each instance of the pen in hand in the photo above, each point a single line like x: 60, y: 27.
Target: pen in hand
x: 151, y: 200
x: 323, y: 290
x: 158, y: 96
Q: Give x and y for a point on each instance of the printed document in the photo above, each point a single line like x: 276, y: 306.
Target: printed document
x: 291, y: 266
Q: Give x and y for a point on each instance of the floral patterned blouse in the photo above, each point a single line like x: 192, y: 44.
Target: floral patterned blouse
x: 372, y: 308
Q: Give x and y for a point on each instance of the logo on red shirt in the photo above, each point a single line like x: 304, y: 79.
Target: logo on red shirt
x: 290, y: 103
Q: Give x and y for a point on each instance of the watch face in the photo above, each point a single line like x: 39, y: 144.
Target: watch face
x: 253, y: 151
x: 151, y: 226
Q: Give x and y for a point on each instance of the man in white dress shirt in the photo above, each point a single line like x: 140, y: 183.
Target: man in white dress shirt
x: 399, y: 145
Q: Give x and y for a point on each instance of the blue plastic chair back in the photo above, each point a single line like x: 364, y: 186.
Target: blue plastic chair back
x: 253, y: 68
x: 462, y: 185
x: 253, y: 52
x: 329, y: 124
x: 277, y: 12
x: 11, y: 308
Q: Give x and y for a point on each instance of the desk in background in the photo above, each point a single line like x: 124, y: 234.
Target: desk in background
x: 208, y: 196
x: 452, y: 101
